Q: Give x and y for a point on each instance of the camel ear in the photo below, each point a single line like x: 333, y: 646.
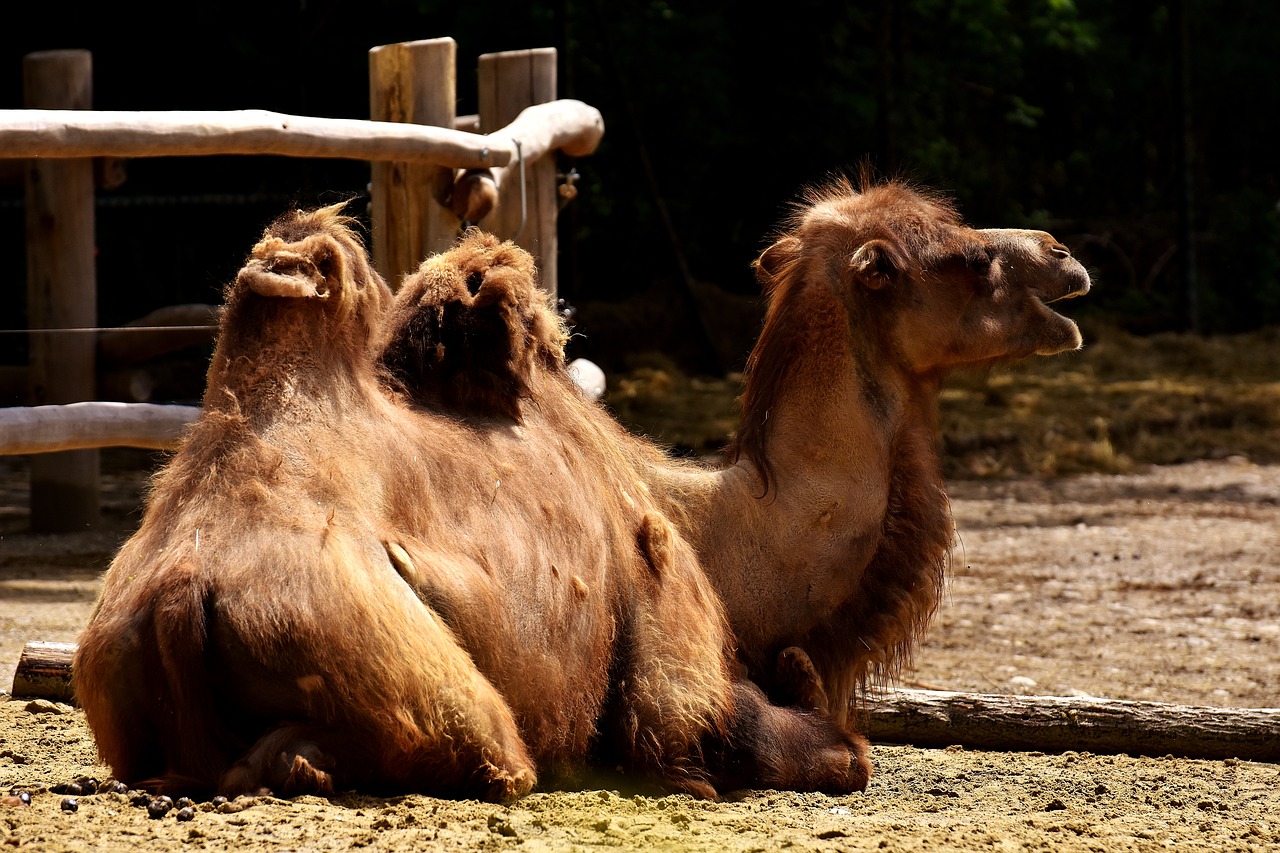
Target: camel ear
x: 874, y: 264
x: 772, y: 261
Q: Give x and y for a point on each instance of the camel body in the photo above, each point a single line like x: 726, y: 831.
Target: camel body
x: 827, y: 532
x: 336, y: 586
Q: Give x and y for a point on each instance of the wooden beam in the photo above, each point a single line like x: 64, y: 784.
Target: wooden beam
x: 62, y: 291
x: 49, y: 429
x: 510, y: 84
x: 416, y: 83
x: 57, y: 133
x: 159, y: 332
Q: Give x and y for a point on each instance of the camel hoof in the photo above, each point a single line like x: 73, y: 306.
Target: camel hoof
x: 503, y: 786
x: 846, y: 770
x: 305, y: 778
x: 861, y: 769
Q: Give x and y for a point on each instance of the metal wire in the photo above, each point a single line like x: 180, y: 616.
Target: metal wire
x: 97, y: 329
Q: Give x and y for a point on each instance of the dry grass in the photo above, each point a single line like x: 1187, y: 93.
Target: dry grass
x: 1122, y: 402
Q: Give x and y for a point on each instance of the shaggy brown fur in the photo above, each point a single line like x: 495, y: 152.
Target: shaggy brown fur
x: 333, y: 586
x: 828, y: 534
x: 472, y: 334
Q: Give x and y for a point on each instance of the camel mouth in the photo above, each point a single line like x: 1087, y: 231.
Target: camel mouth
x: 277, y: 276
x: 1076, y: 287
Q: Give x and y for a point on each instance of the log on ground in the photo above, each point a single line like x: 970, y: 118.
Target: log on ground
x: 933, y: 718
x: 44, y: 672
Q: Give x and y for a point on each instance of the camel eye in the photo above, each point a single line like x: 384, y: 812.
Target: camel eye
x: 978, y: 259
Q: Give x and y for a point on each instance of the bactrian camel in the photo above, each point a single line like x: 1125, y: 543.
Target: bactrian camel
x: 827, y: 531
x: 447, y: 576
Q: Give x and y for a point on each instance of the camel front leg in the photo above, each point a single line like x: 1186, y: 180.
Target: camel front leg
x: 769, y: 746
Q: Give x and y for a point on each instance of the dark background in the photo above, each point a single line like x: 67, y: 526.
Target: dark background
x: 1129, y: 129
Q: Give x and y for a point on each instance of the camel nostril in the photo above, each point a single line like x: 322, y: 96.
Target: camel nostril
x: 474, y: 282
x: 1059, y: 251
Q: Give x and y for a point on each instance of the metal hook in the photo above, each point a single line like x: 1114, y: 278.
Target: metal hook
x: 567, y: 190
x: 523, y: 208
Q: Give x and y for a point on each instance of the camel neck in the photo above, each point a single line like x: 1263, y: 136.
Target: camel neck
x: 853, y: 474
x: 864, y: 423
x: 291, y: 377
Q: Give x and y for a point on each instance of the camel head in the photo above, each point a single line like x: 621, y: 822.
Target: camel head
x: 305, y: 305
x: 470, y: 329
x: 937, y: 294
x: 308, y: 280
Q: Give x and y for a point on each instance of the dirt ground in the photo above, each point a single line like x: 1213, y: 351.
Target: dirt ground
x: 1163, y: 585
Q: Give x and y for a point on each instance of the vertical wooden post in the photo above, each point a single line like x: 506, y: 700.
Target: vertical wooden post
x: 413, y: 82
x: 509, y: 82
x: 62, y: 292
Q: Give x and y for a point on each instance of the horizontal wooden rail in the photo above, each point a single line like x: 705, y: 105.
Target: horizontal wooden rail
x: 79, y: 426
x: 567, y: 125
x: 152, y: 426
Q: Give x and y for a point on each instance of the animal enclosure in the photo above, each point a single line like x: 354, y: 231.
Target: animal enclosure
x: 431, y: 170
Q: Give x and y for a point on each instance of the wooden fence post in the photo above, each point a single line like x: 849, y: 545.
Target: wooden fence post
x: 61, y: 292
x: 509, y: 82
x: 414, y: 82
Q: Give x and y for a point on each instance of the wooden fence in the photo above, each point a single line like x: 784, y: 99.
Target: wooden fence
x: 431, y: 170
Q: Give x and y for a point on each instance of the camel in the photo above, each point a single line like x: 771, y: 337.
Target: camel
x: 826, y: 530
x: 463, y: 590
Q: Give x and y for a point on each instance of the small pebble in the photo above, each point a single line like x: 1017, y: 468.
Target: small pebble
x: 218, y: 800
x: 185, y: 813
x: 184, y: 803
x: 239, y: 804
x: 70, y: 804
x: 44, y: 706
x: 139, y: 798
x: 24, y: 796
x: 118, y: 788
x: 88, y: 784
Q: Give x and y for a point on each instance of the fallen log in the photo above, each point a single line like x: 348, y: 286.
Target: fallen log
x: 936, y: 718
x: 44, y: 672
x: 77, y: 426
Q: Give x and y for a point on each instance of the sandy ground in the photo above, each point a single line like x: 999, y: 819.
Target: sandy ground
x: 1162, y: 585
